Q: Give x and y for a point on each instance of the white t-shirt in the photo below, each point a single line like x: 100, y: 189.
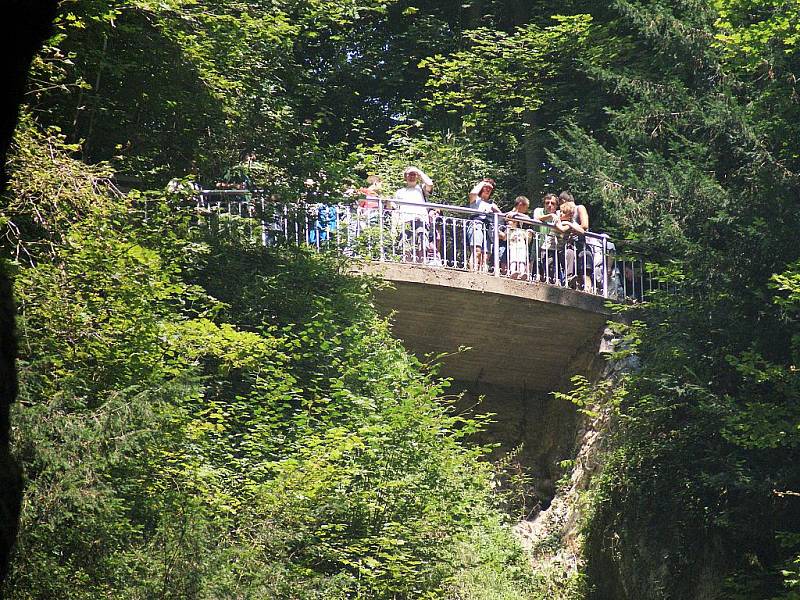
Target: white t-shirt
x: 546, y: 235
x: 484, y: 206
x: 412, y: 194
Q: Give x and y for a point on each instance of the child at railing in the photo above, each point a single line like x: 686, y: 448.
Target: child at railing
x: 518, y: 240
x: 367, y: 211
x: 371, y: 193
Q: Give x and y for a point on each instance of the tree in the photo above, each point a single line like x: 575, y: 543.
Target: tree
x: 690, y: 163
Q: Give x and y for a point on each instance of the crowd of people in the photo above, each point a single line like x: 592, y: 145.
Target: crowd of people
x: 548, y: 245
x: 551, y: 244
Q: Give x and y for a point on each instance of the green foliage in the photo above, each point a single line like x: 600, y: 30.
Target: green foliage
x: 750, y: 31
x: 200, y: 417
x: 698, y: 145
x: 502, y: 88
x: 454, y: 163
x: 502, y: 76
x: 589, y: 397
x: 159, y: 86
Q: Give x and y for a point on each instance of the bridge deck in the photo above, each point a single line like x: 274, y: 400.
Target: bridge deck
x: 519, y: 332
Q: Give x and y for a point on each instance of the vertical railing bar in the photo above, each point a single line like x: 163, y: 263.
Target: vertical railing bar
x: 285, y: 224
x: 263, y: 224
x: 361, y: 233
x: 496, y: 244
x: 380, y: 224
x: 624, y: 279
x: 642, y: 278
x: 464, y: 244
x: 455, y: 242
x: 556, y: 266
x: 402, y: 235
x: 336, y: 226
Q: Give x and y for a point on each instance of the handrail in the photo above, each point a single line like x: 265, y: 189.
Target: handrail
x: 452, y: 237
x: 395, y: 200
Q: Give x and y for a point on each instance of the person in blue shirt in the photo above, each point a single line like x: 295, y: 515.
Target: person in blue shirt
x: 323, y: 216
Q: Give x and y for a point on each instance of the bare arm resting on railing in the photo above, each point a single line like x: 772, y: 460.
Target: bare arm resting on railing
x: 569, y: 227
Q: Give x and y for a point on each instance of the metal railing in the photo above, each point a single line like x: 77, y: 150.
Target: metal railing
x: 439, y: 236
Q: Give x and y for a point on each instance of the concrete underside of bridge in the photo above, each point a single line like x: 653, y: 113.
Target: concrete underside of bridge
x: 526, y: 340
x: 519, y: 333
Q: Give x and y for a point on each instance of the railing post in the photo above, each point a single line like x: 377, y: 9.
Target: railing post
x: 380, y: 227
x: 337, y: 224
x: 641, y: 277
x: 496, y: 241
x: 263, y: 219
x: 605, y: 266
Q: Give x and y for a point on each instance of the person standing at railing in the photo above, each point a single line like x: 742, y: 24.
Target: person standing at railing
x: 363, y: 212
x: 546, y: 240
x: 416, y: 217
x: 581, y: 215
x: 322, y: 214
x: 273, y: 219
x: 368, y: 205
x: 584, y: 255
x: 570, y: 236
x: 480, y: 234
x: 371, y: 192
x: 518, y: 240
x: 605, y: 267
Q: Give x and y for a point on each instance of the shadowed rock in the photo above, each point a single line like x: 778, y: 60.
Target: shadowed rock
x: 27, y: 25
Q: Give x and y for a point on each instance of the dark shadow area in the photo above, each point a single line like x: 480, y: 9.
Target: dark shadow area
x: 533, y: 432
x: 30, y: 23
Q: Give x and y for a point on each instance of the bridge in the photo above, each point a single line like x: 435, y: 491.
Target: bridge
x: 533, y: 331
x: 524, y: 321
x: 538, y: 296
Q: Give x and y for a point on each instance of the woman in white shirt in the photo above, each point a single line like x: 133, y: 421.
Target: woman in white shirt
x: 479, y: 230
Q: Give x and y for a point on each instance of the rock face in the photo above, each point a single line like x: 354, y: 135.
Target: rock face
x: 534, y: 428
x: 28, y: 24
x: 552, y: 535
x: 622, y: 562
x: 636, y: 562
x: 537, y: 429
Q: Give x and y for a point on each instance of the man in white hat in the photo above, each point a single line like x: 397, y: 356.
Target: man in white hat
x: 416, y: 217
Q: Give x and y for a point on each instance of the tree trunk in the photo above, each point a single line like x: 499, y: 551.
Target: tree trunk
x: 534, y: 185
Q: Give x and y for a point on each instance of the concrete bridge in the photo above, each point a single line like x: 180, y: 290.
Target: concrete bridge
x: 519, y: 332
